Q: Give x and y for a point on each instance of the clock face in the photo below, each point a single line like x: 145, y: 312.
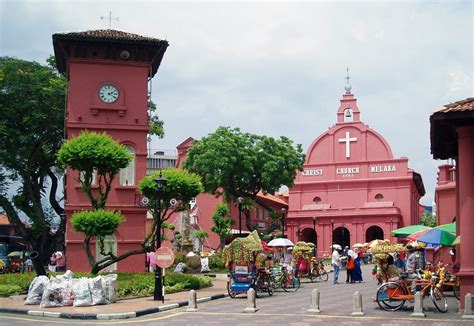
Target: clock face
x: 108, y: 93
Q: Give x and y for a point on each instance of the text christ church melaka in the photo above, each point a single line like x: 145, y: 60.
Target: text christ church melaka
x: 351, y: 188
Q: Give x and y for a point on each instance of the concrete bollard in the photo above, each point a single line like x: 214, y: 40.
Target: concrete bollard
x: 468, y: 308
x: 314, y: 306
x: 357, y: 306
x: 192, y: 301
x: 251, y: 303
x: 418, y: 310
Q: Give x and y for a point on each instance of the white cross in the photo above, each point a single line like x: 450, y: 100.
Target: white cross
x: 347, y: 140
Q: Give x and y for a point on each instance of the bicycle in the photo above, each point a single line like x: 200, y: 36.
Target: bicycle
x: 289, y: 282
x: 391, y: 296
x: 263, y: 283
x: 315, y: 272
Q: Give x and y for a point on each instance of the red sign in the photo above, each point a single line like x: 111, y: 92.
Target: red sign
x: 164, y: 257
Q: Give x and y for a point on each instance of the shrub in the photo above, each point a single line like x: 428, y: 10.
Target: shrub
x: 216, y: 261
x: 180, y: 257
x: 8, y: 290
x: 98, y: 222
x: 193, y: 263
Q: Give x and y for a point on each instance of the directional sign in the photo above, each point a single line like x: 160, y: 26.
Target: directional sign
x: 164, y: 257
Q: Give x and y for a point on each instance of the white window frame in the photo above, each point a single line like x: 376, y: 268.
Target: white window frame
x: 127, y: 174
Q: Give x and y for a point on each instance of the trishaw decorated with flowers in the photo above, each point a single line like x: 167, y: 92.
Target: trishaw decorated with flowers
x: 241, y: 257
x: 307, y: 265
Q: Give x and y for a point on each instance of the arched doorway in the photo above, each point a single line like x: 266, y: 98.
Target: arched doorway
x: 342, y: 236
x: 374, y: 232
x: 309, y: 235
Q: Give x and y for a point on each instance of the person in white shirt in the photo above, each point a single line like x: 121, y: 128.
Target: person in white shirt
x: 336, y: 265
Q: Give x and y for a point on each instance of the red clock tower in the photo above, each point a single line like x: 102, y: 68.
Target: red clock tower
x: 108, y: 73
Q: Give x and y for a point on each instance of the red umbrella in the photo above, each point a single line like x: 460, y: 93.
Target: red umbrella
x: 266, y: 248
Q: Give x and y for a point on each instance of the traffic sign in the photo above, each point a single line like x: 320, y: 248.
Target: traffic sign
x: 164, y: 257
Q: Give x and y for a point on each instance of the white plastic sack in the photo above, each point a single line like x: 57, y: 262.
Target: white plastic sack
x: 109, y: 285
x: 82, y: 293
x: 53, y: 293
x: 205, y: 265
x: 36, y: 289
x: 97, y: 292
x: 180, y: 268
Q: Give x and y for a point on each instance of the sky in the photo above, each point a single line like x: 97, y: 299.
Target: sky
x: 278, y: 68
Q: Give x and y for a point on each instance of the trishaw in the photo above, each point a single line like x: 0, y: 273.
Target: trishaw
x: 307, y: 265
x: 397, y: 288
x: 240, y: 257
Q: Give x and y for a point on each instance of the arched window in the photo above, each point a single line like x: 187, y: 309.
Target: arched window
x: 379, y: 197
x: 348, y: 116
x: 127, y: 175
x: 317, y: 200
x: 110, y: 245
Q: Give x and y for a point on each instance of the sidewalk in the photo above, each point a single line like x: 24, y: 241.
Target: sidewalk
x: 129, y: 308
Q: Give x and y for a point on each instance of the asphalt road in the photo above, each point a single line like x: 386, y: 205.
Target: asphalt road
x: 282, y: 309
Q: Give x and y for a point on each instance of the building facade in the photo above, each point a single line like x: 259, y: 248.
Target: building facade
x: 352, y: 189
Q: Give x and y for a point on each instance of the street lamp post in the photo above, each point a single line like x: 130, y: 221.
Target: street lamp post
x: 283, y: 212
x: 240, y: 200
x: 342, y: 236
x: 332, y: 234
x: 315, y: 237
x: 160, y: 191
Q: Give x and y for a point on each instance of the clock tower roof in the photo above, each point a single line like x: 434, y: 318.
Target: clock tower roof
x: 108, y: 44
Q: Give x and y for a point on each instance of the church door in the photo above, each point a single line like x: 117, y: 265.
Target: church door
x: 374, y: 232
x: 342, y: 236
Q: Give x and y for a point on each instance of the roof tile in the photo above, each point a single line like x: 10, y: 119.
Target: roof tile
x: 108, y: 34
x: 459, y: 106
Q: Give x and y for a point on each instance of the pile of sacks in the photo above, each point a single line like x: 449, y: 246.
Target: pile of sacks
x: 63, y: 290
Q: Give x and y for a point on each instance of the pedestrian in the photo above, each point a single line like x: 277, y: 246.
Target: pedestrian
x: 452, y: 253
x: 28, y: 265
x: 350, y: 267
x: 399, y: 263
x: 336, y: 265
x: 357, y: 274
x: 151, y: 262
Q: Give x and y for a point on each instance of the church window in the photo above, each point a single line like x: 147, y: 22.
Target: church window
x: 317, y: 200
x: 348, y: 116
x: 127, y: 175
x: 379, y: 196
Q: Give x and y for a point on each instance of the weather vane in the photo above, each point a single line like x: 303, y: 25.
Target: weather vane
x: 348, y: 86
x: 347, y: 77
x: 109, y: 19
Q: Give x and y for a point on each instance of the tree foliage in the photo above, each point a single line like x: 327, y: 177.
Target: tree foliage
x: 93, y: 154
x: 181, y: 187
x: 242, y: 164
x: 32, y: 106
x: 428, y: 219
x: 222, y: 223
x: 156, y: 125
x: 96, y: 223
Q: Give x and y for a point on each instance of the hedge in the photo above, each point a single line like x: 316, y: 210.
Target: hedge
x: 128, y: 285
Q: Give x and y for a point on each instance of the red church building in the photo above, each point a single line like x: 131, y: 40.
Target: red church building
x: 109, y: 73
x: 352, y: 189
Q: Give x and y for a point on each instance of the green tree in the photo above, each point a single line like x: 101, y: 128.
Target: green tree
x: 156, y: 125
x: 181, y: 187
x: 222, y: 223
x: 200, y: 235
x: 428, y: 219
x: 32, y: 98
x: 238, y: 164
x: 97, y: 158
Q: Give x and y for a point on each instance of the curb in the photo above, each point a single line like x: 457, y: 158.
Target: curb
x: 109, y: 316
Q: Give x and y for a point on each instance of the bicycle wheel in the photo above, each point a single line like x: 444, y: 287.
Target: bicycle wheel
x: 312, y: 275
x: 290, y: 283
x: 438, y: 299
x: 457, y: 290
x: 269, y: 284
x: 323, y: 275
x: 387, y: 296
x: 232, y: 294
x: 258, y: 287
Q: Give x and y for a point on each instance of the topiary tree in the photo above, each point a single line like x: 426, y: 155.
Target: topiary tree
x: 200, y: 235
x: 222, y: 223
x: 96, y: 156
x: 181, y: 187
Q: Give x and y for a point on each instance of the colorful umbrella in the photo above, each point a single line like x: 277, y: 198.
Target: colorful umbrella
x: 451, y: 227
x: 408, y: 230
x: 456, y: 241
x: 418, y: 234
x: 437, y: 237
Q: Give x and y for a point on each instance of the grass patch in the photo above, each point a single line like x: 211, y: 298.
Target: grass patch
x: 128, y: 284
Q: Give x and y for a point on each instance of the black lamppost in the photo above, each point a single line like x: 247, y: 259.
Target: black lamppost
x: 315, y: 237
x: 332, y: 234
x: 283, y: 212
x: 160, y: 191
x: 240, y: 200
x: 342, y: 236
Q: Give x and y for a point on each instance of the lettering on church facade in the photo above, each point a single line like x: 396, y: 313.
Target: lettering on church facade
x: 382, y: 168
x: 315, y: 172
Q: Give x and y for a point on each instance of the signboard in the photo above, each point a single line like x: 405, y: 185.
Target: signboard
x: 164, y: 257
